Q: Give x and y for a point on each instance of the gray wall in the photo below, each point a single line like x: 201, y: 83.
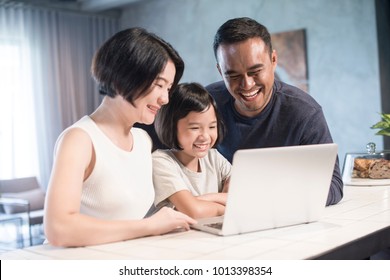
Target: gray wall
x: 341, y: 44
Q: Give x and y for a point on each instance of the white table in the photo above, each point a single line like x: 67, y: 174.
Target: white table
x: 353, y: 229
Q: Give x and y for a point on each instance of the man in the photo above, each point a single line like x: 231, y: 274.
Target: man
x: 258, y: 110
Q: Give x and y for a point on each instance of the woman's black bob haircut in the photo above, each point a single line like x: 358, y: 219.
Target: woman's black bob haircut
x: 186, y: 98
x: 129, y: 62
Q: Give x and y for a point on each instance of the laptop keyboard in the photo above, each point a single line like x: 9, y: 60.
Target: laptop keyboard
x: 215, y: 225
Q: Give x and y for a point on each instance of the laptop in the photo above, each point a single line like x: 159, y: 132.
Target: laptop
x: 275, y: 187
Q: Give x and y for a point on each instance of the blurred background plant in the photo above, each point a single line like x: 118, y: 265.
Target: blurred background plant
x: 383, y: 125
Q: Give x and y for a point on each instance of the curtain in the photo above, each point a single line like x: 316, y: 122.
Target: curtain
x: 53, y: 87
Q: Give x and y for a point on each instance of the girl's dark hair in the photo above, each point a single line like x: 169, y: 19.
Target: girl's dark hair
x: 186, y: 98
x: 129, y: 62
x: 239, y: 30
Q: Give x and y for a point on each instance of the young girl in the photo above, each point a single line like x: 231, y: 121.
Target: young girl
x: 191, y: 176
x: 101, y: 185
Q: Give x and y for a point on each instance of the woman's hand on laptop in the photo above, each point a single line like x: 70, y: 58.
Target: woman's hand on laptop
x: 167, y: 220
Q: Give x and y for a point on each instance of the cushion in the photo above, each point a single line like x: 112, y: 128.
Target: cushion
x: 36, y: 197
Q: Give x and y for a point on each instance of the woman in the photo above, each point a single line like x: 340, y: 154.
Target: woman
x: 101, y: 183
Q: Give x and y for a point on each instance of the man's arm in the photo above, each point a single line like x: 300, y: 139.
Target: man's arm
x: 316, y: 131
x: 336, y: 187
